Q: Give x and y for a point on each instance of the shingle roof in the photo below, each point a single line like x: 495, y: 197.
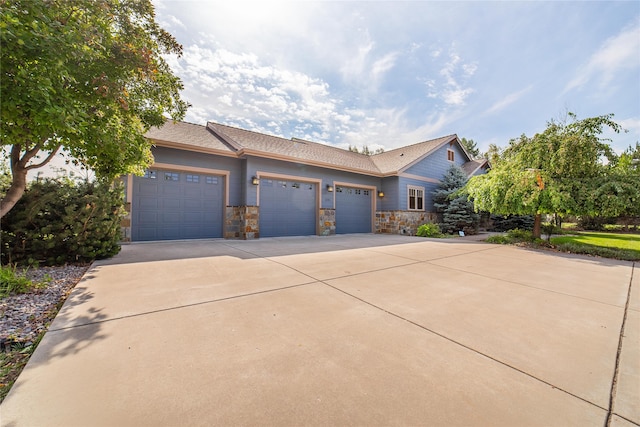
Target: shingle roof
x: 401, y: 158
x: 294, y: 148
x: 182, y: 133
x: 472, y: 166
x: 234, y: 141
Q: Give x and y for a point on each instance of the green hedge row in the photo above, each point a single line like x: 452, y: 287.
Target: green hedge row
x: 58, y: 221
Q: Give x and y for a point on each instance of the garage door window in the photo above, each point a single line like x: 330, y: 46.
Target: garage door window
x: 211, y: 180
x: 150, y: 174
x: 171, y: 176
x: 193, y: 178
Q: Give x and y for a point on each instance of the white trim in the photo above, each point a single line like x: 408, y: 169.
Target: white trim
x: 453, y: 155
x: 419, y: 178
x: 418, y: 188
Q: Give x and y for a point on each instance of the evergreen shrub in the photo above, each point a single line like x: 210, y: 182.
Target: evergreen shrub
x: 59, y: 221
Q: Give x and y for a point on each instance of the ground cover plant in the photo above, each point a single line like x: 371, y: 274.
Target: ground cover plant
x: 607, y: 245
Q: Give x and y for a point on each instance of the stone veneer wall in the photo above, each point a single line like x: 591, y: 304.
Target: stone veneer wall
x: 125, y: 224
x: 402, y: 222
x: 327, y: 222
x: 242, y: 222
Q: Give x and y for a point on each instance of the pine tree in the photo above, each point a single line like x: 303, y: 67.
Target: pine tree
x: 457, y: 211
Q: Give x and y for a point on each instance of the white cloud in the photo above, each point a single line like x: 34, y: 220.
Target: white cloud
x: 616, y: 53
x: 508, y: 100
x: 455, y: 72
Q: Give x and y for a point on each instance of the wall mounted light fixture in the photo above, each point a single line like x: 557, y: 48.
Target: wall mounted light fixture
x: 380, y: 193
x: 255, y: 180
x: 330, y: 188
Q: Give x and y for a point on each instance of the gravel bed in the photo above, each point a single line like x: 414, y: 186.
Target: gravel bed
x: 24, y: 316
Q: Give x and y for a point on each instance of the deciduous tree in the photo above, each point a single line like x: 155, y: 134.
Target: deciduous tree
x: 556, y: 171
x: 84, y: 75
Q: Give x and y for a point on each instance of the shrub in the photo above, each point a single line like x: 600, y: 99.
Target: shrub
x: 517, y: 235
x: 59, y: 221
x: 13, y: 283
x: 429, y: 230
x: 509, y: 222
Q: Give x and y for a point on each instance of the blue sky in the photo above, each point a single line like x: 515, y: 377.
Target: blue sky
x: 392, y: 73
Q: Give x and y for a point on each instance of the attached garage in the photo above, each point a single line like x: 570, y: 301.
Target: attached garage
x: 173, y: 204
x: 353, y: 210
x: 287, y: 208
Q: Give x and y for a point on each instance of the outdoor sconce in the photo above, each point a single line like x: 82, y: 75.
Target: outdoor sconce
x: 255, y: 180
x: 330, y: 188
x: 380, y: 193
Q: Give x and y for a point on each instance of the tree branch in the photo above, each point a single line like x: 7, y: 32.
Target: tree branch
x: 45, y: 161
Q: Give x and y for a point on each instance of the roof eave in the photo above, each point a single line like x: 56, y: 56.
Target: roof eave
x: 189, y: 147
x: 256, y: 153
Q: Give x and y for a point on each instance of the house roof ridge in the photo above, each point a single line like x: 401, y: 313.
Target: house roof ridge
x: 404, y: 147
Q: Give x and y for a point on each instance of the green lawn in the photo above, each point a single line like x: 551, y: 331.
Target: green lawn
x: 627, y: 245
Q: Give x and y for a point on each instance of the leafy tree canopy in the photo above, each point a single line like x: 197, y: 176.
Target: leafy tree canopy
x: 86, y: 75
x: 557, y: 171
x: 471, y: 147
x: 365, y: 150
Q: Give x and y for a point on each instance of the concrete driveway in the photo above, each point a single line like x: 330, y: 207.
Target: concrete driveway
x: 343, y: 330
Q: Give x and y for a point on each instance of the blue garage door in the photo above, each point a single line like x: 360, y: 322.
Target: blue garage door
x: 353, y: 210
x: 171, y: 205
x: 287, y: 208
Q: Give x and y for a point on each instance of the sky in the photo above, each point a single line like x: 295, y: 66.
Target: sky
x: 391, y: 73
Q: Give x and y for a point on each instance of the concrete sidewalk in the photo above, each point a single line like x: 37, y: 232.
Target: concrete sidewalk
x: 341, y: 330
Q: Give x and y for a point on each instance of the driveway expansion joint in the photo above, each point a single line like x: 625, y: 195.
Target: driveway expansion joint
x: 616, y: 372
x: 458, y: 343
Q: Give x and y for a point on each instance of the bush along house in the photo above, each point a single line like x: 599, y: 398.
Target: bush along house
x: 217, y: 181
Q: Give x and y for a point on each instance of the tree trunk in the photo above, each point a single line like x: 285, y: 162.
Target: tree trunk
x: 15, y: 192
x: 537, y: 223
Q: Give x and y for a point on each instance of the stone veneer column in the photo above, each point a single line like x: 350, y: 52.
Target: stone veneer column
x: 327, y: 222
x: 242, y: 222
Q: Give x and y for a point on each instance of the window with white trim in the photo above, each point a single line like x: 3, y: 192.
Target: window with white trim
x: 416, y: 198
x: 451, y: 155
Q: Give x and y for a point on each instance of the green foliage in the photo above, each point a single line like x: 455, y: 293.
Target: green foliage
x: 567, y: 169
x: 471, y: 147
x: 12, y: 282
x: 457, y: 211
x: 59, y: 221
x: 429, y: 230
x: 87, y: 75
x: 509, y: 222
x: 365, y: 150
x: 580, y: 248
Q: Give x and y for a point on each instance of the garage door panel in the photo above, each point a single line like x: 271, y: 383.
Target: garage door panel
x: 148, y: 203
x: 193, y: 204
x: 353, y: 210
x: 287, y: 208
x: 172, y: 207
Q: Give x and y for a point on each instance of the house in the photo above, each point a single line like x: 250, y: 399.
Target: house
x: 218, y: 181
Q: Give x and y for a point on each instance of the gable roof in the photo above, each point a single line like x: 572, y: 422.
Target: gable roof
x: 472, y: 166
x: 400, y: 159
x: 232, y: 141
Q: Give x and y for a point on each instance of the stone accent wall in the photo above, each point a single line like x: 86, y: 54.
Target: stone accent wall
x: 242, y: 222
x: 125, y: 224
x: 402, y: 222
x: 327, y: 222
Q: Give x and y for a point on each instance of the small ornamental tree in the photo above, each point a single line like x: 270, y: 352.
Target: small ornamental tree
x: 88, y: 76
x: 457, y: 211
